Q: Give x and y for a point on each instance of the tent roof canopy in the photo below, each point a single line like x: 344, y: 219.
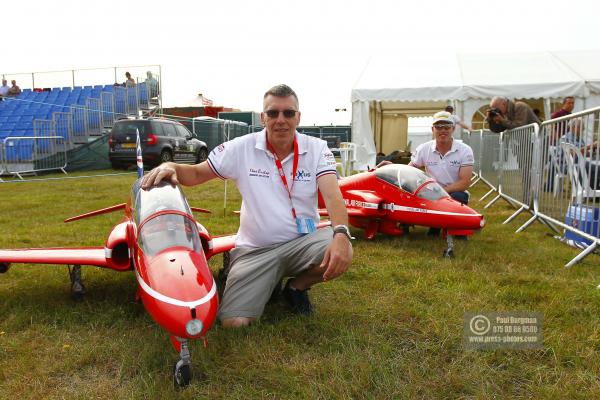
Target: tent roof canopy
x: 443, y: 76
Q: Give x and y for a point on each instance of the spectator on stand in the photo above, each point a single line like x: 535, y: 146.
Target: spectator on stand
x: 4, y: 89
x: 151, y: 84
x: 14, y: 89
x: 130, y: 82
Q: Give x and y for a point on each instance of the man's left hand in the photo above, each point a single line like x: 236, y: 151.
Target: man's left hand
x: 338, y: 257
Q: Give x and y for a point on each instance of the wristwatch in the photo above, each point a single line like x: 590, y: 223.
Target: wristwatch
x: 342, y: 229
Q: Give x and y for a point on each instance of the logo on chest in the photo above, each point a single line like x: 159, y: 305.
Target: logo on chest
x: 303, y: 176
x: 258, y: 172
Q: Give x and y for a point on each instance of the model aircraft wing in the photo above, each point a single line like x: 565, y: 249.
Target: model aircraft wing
x: 64, y: 256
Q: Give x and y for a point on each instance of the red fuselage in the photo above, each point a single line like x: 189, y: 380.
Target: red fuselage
x: 384, y: 199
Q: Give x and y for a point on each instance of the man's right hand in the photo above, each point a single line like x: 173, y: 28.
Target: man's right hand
x: 164, y: 172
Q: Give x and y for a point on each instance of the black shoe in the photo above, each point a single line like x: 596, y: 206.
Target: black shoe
x: 277, y: 293
x: 433, y: 232
x: 297, y: 299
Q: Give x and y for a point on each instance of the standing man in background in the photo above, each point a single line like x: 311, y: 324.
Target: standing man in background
x: 456, y: 119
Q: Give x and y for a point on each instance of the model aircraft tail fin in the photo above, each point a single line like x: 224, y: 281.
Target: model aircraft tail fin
x: 97, y: 212
x: 138, y: 154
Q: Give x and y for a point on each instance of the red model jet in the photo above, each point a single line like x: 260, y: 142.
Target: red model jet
x: 168, y: 250
x: 391, y: 198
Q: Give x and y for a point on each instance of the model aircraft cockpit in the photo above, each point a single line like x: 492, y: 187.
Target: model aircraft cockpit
x: 162, y: 217
x: 411, y: 180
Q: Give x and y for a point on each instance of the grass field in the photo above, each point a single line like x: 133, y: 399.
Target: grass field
x: 390, y: 328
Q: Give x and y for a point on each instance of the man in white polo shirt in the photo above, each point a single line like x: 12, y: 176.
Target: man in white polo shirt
x: 448, y: 161
x: 279, y: 173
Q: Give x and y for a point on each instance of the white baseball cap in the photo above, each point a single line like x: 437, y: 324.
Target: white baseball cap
x: 442, y: 116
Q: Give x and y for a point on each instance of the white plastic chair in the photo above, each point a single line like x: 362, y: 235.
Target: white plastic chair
x: 580, y: 182
x: 557, y: 166
x: 348, y: 157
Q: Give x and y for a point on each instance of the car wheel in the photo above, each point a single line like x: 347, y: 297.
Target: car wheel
x: 202, y: 155
x: 166, y: 156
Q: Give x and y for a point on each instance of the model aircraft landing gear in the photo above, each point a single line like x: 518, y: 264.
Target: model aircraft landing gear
x: 449, y: 252
x: 182, y: 371
x: 77, y: 287
x: 4, y: 267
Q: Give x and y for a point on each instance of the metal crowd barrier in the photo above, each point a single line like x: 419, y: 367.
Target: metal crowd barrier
x: 518, y: 167
x: 567, y: 195
x: 489, y: 160
x: 539, y: 171
x: 475, y: 143
x: 26, y: 154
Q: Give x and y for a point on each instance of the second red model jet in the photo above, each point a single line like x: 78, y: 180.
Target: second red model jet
x: 391, y: 198
x: 167, y: 249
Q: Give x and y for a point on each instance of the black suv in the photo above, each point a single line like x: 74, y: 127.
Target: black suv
x: 162, y: 140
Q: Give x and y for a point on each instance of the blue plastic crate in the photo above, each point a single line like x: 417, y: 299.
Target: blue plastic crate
x: 583, y: 218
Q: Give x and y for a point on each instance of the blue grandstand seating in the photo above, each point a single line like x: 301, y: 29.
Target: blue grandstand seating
x: 17, y: 115
x: 143, y: 91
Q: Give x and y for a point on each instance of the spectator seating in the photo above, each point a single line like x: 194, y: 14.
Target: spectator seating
x: 18, y: 114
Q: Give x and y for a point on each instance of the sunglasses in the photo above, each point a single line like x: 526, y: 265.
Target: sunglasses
x: 443, y: 126
x: 286, y: 113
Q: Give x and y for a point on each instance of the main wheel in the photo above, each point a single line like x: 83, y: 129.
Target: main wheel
x: 182, y: 376
x: 202, y: 155
x: 4, y: 267
x: 166, y: 156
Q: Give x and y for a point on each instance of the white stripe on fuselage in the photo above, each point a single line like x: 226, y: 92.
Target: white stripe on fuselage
x: 361, y: 204
x: 394, y: 207
x: 169, y: 300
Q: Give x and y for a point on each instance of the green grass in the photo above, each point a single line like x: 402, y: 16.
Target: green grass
x: 389, y: 328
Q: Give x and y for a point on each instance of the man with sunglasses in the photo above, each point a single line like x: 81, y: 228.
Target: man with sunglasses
x: 279, y: 173
x: 448, y: 161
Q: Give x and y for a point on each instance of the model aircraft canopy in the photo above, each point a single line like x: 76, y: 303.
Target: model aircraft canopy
x: 411, y: 180
x: 163, y: 217
x: 160, y: 198
x: 165, y: 231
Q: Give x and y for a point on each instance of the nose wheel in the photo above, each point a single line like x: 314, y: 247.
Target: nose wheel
x: 182, y: 375
x: 449, y: 252
x: 182, y: 370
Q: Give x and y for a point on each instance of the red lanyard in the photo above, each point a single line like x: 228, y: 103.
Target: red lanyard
x: 282, y: 173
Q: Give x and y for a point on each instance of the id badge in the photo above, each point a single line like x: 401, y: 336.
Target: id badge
x: 305, y: 225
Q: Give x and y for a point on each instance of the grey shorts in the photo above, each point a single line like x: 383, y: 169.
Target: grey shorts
x: 255, y: 272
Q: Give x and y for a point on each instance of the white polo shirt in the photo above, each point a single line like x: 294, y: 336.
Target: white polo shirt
x: 443, y: 168
x: 266, y: 213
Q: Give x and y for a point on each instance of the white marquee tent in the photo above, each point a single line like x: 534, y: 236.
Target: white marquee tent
x: 470, y: 81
